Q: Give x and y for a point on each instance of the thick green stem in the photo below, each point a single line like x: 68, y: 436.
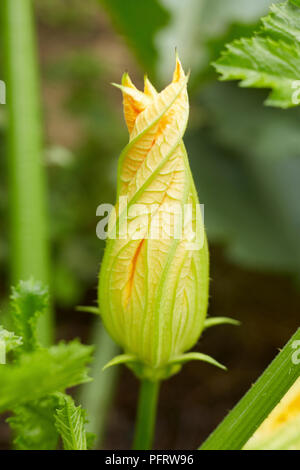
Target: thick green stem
x: 29, y: 250
x: 146, y: 415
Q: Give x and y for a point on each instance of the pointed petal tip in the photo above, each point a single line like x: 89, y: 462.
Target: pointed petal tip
x: 124, y: 77
x: 178, y: 72
x: 149, y: 89
x: 126, y: 81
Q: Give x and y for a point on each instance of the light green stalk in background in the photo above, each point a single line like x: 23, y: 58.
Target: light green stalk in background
x: 28, y: 234
x: 97, y: 396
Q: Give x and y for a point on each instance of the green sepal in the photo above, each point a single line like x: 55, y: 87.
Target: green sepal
x: 195, y: 356
x: 121, y: 359
x: 88, y: 309
x: 144, y: 371
x: 214, y: 321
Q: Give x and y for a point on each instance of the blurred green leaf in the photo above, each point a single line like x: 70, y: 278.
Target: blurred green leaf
x: 27, y: 385
x: 247, y: 168
x: 10, y: 340
x: 33, y: 425
x: 250, y: 129
x: 269, y: 59
x: 43, y: 372
x: 38, y: 424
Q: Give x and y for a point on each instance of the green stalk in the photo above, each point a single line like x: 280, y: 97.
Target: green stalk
x: 28, y: 249
x: 241, y: 423
x: 146, y: 415
x: 97, y: 396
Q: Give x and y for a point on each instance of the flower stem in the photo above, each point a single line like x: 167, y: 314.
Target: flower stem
x: 146, y: 415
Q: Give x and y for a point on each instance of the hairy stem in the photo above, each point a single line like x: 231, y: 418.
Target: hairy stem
x: 146, y: 415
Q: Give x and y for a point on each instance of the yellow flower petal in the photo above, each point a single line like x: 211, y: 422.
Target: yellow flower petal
x: 153, y: 290
x: 285, y: 412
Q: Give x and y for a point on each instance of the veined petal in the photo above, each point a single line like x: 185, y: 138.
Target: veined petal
x: 153, y: 286
x: 160, y: 125
x: 134, y: 101
x: 149, y: 89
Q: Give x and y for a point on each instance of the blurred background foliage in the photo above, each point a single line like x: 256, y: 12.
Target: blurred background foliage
x: 244, y: 156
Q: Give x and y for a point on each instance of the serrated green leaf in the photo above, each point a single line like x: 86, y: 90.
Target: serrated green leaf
x: 43, y: 372
x: 70, y: 422
x: 10, y: 340
x: 263, y: 63
x: 29, y: 300
x: 33, y: 425
x: 271, y: 58
x: 283, y: 21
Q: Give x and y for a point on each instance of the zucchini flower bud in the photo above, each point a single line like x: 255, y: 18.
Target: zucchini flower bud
x: 153, y: 286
